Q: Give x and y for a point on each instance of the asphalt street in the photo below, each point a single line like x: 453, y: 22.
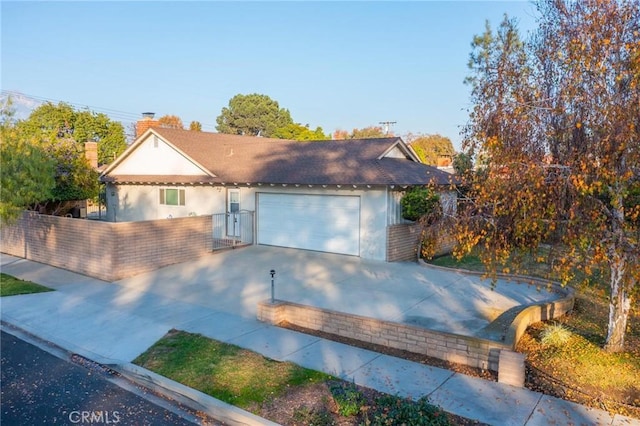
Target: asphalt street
x: 40, y: 388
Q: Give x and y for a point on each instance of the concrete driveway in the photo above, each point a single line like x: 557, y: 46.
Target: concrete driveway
x: 216, y: 295
x: 235, y: 281
x: 220, y: 292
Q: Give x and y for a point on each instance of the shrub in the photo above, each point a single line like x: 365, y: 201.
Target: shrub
x: 555, y: 335
x: 348, y: 398
x: 393, y: 410
x: 420, y: 201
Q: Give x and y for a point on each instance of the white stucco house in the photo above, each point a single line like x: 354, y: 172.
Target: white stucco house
x: 333, y: 196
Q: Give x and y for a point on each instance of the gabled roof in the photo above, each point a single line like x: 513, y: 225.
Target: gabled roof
x: 234, y: 159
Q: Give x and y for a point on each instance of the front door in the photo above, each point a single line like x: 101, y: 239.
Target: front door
x: 233, y: 212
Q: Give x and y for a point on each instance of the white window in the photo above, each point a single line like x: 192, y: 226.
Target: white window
x: 172, y: 196
x: 234, y: 201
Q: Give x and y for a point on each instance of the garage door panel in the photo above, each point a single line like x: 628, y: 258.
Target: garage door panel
x: 314, y: 222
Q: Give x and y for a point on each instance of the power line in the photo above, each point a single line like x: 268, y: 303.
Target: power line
x: 113, y: 113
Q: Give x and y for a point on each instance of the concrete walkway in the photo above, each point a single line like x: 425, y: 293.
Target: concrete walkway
x: 217, y: 296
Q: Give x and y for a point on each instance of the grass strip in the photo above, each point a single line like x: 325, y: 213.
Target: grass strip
x: 223, y: 371
x: 11, y: 286
x: 469, y: 262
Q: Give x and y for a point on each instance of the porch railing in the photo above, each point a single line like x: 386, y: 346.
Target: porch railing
x: 233, y: 229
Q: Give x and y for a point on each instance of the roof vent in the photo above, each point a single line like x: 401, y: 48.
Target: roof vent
x: 148, y: 115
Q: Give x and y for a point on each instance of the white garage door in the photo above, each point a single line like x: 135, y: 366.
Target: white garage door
x: 329, y: 223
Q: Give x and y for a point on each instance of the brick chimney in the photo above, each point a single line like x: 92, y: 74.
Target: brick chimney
x: 147, y: 121
x: 91, y: 153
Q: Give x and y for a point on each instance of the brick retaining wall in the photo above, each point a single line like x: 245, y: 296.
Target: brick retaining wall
x: 472, y: 351
x: 537, y: 313
x: 529, y: 314
x: 106, y: 250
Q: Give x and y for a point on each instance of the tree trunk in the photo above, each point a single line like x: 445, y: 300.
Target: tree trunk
x: 619, y: 306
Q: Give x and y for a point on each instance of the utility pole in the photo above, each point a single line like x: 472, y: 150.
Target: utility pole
x: 386, y: 125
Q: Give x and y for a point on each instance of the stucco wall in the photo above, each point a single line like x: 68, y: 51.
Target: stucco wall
x: 131, y: 203
x: 153, y: 156
x: 141, y: 202
x: 109, y: 251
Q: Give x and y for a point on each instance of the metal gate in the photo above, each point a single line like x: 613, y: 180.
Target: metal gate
x: 232, y: 229
x: 96, y: 210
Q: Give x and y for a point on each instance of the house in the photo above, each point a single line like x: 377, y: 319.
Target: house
x: 333, y: 196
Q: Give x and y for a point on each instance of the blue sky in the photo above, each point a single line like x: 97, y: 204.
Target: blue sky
x: 338, y: 65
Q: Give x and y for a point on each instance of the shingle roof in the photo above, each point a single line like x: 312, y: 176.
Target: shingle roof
x: 242, y: 159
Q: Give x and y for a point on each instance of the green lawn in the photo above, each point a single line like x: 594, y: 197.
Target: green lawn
x: 470, y: 262
x: 281, y: 391
x: 524, y: 264
x: 11, y: 286
x: 226, y: 372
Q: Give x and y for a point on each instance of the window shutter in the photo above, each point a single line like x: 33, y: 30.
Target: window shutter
x: 182, y: 197
x: 161, y: 195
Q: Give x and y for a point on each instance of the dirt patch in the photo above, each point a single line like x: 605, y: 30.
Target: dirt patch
x: 314, y: 404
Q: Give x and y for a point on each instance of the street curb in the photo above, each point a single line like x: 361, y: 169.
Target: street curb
x: 172, y: 390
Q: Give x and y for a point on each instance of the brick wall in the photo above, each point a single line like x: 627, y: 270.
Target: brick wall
x: 402, y: 242
x: 472, y: 351
x: 537, y: 313
x: 106, y: 250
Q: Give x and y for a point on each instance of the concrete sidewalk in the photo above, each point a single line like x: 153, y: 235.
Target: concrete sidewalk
x: 112, y: 323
